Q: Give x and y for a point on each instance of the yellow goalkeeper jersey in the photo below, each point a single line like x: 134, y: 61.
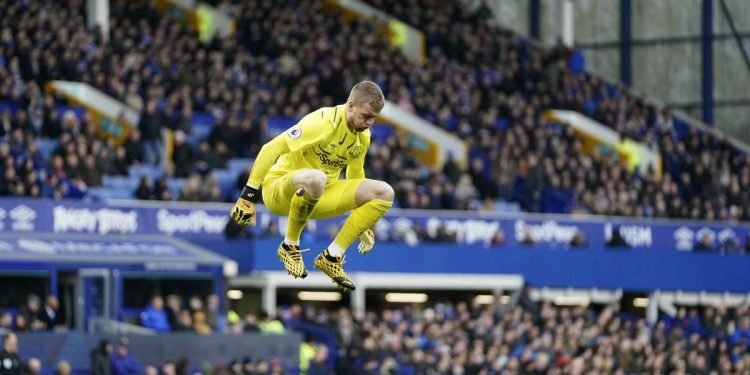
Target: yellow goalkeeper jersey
x: 321, y: 140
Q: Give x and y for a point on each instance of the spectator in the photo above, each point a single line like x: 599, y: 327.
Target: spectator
x: 705, y: 242
x: 124, y: 364
x: 184, y: 321
x: 154, y: 316
x: 730, y: 244
x: 9, y: 359
x: 63, y: 368
x: 30, y: 314
x: 182, y: 155
x: 191, y: 189
x: 101, y: 358
x: 200, y: 324
x: 319, y: 364
x: 195, y: 304
x: 161, y: 189
x: 150, y: 126
x: 6, y: 321
x: 498, y: 238
x: 89, y: 172
x: 174, y: 305
x: 214, y: 318
x: 168, y: 368
x: 578, y: 240
x: 617, y: 241
x: 144, y: 190
x: 34, y: 366
x: 251, y: 324
x: 270, y: 324
x: 51, y: 315
x: 133, y: 148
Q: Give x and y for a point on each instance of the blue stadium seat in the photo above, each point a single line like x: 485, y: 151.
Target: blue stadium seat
x: 104, y: 193
x: 505, y: 206
x: 174, y: 184
x: 237, y: 164
x: 146, y: 170
x: 121, y: 182
x: 226, y: 179
x: 46, y: 146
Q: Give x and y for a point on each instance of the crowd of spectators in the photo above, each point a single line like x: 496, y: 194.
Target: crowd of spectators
x: 513, y: 80
x: 517, y: 335
x: 506, y: 335
x: 534, y: 338
x: 483, y: 83
x: 35, y: 315
x: 108, y: 358
x: 195, y: 316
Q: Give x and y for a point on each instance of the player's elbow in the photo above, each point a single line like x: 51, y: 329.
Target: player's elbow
x: 274, y: 148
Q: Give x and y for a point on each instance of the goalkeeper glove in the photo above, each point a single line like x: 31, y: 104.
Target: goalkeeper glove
x: 366, y: 241
x: 243, y: 212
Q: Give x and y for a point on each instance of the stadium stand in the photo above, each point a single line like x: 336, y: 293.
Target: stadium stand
x: 520, y: 335
x: 221, y: 101
x: 503, y: 63
x: 501, y: 121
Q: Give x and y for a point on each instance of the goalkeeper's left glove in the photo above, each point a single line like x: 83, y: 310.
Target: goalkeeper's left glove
x: 366, y: 241
x: 243, y: 212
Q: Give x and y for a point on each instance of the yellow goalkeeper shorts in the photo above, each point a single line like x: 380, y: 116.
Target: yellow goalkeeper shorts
x: 337, y: 199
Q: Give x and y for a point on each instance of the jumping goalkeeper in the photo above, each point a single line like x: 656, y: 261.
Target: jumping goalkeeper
x: 299, y: 171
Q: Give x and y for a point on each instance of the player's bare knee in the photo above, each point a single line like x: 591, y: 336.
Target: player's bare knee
x: 384, y: 191
x: 314, y: 182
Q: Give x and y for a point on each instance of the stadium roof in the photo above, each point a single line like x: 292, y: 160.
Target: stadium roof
x: 154, y: 252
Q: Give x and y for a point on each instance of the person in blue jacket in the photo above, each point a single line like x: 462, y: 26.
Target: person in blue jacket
x: 154, y: 316
x: 125, y: 364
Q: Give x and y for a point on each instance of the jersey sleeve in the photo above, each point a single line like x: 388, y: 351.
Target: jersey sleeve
x: 308, y: 131
x: 356, y: 169
x: 265, y: 159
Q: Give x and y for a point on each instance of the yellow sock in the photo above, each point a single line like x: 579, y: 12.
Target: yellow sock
x: 300, y: 210
x: 361, y: 219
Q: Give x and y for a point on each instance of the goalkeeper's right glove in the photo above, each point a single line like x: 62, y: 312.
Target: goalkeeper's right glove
x: 243, y: 212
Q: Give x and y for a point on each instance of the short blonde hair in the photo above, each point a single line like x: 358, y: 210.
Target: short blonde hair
x: 367, y: 92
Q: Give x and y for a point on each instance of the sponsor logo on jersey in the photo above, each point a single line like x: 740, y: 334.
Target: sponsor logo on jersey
x: 337, y: 163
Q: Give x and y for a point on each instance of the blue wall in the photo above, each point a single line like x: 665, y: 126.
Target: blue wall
x: 631, y: 269
x: 75, y: 347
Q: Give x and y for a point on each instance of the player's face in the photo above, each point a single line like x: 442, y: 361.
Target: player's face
x: 361, y: 116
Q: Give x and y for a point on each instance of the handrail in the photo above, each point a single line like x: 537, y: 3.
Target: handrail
x: 104, y: 325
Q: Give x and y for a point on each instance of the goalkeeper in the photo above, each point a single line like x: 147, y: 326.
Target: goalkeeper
x: 299, y: 171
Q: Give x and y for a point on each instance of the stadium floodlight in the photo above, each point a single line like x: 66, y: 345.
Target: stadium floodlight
x: 572, y: 301
x: 307, y: 295
x: 234, y: 294
x: 406, y: 297
x: 640, y: 302
x: 486, y: 299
